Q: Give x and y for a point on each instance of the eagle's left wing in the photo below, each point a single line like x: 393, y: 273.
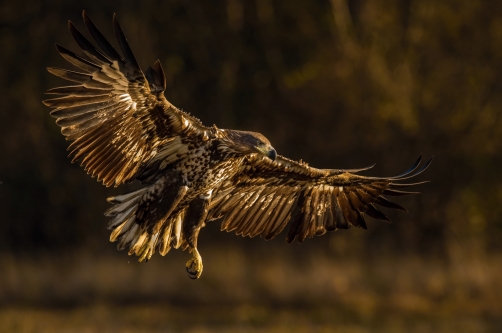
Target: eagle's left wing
x: 116, y: 115
x: 265, y: 195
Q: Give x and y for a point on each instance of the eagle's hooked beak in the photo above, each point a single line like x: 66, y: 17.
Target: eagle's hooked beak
x: 267, y: 150
x: 272, y: 154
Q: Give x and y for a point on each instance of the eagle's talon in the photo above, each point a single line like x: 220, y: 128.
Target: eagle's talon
x: 194, y: 268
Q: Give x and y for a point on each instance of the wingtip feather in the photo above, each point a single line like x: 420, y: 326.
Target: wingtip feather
x: 124, y: 45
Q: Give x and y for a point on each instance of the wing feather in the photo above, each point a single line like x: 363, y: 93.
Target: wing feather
x: 341, y: 222
x: 102, y: 42
x: 375, y: 213
x: 254, y: 213
x: 78, y: 91
x: 256, y: 225
x: 384, y: 202
x: 70, y: 75
x: 281, y: 216
x: 320, y: 228
x: 116, y: 122
x: 248, y: 210
x: 277, y: 216
x: 265, y: 196
x: 307, y: 214
x: 329, y: 221
x: 77, y: 60
x: 90, y: 50
x: 124, y: 45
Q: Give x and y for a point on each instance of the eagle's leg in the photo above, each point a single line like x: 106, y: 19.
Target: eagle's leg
x: 194, y: 221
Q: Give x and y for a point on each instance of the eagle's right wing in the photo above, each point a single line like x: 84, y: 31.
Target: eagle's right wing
x: 118, y: 119
x: 266, y: 195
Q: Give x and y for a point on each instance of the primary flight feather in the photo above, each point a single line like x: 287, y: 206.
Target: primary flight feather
x: 122, y: 129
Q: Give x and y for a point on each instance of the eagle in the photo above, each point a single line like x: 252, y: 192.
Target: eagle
x: 123, y: 129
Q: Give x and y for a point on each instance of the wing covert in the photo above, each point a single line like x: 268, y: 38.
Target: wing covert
x: 117, y: 118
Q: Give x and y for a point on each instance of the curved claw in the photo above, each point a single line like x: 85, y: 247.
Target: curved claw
x: 194, y: 266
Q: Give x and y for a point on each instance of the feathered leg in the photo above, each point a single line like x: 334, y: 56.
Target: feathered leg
x: 194, y: 221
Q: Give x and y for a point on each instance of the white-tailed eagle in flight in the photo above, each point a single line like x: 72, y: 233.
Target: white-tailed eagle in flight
x: 123, y: 129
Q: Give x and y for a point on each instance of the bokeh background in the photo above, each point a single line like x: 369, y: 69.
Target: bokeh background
x: 340, y: 84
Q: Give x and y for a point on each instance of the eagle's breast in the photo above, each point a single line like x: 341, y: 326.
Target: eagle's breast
x: 204, y: 167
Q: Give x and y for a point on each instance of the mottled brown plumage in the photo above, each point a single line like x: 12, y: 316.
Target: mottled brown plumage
x: 123, y: 129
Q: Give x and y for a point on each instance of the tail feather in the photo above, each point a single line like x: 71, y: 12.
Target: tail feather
x: 125, y: 197
x: 123, y: 225
x: 128, y: 237
x: 170, y: 233
x: 165, y: 239
x: 122, y: 228
x: 123, y: 202
x: 136, y: 246
x: 142, y: 241
x: 176, y: 234
x: 148, y: 248
x: 120, y: 218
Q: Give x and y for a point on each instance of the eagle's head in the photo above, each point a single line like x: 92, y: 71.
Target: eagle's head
x: 248, y: 143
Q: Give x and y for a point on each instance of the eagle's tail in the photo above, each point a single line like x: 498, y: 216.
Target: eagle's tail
x: 123, y: 225
x: 130, y: 232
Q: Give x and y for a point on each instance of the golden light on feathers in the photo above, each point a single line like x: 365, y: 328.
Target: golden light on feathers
x: 123, y: 129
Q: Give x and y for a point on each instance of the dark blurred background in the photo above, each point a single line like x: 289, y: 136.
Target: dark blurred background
x: 340, y: 84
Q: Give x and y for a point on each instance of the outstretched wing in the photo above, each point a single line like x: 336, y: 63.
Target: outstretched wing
x: 265, y: 196
x: 117, y: 118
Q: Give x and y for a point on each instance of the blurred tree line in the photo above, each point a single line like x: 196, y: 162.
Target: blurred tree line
x: 340, y: 84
